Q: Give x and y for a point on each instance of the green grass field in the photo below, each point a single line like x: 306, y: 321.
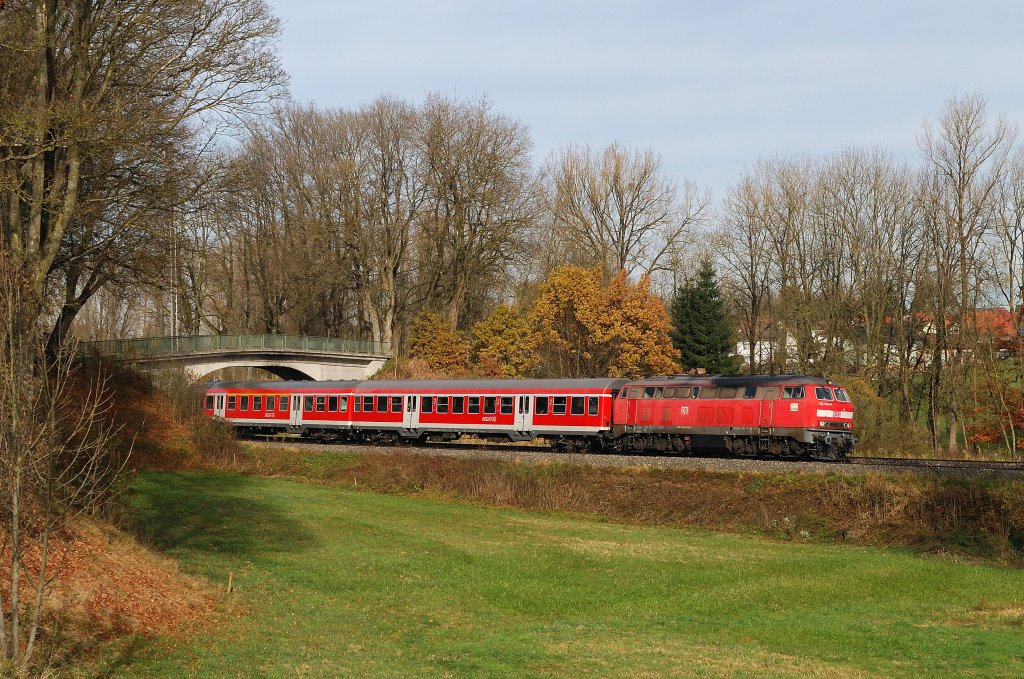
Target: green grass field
x: 340, y: 583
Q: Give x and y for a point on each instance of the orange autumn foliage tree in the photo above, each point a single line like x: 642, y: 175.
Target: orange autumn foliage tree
x: 438, y: 345
x: 587, y: 329
x: 504, y: 345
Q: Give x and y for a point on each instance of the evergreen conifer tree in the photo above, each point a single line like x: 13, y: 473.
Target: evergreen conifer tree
x: 702, y: 330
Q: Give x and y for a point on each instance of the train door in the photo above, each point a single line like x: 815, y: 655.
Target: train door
x: 296, y: 418
x: 767, y: 397
x: 218, y: 407
x: 524, y: 418
x: 410, y: 420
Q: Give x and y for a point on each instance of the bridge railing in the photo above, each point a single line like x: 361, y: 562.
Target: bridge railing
x: 144, y: 347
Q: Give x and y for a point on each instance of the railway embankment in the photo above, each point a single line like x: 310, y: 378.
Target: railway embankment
x: 977, y: 517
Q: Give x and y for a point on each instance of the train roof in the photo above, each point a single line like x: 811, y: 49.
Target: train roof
x: 585, y: 383
x: 733, y: 380
x: 286, y: 384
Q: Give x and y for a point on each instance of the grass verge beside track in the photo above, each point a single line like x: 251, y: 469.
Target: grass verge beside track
x: 975, y: 517
x: 340, y: 583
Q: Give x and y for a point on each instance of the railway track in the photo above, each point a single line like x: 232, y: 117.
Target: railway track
x: 936, y: 463
x: 536, y: 453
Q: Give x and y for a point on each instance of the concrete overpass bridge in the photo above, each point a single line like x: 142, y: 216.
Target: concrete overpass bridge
x: 290, y: 357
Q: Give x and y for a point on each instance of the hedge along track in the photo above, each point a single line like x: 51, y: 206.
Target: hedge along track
x: 510, y: 452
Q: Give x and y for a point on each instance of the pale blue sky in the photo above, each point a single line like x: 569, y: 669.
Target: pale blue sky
x: 710, y: 86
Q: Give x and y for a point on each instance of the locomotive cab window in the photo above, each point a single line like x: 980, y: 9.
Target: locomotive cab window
x: 442, y: 405
x: 648, y: 392
x: 332, y: 404
x: 842, y: 396
x: 490, y: 405
x: 694, y: 392
x: 474, y: 405
x: 635, y: 392
x: 231, y: 402
x: 209, y: 402
x: 592, y: 405
x: 823, y: 393
x: 321, y: 403
x: 558, y: 408
x: 243, y: 403
x: 396, y: 404
x: 427, y: 404
x: 458, y: 404
x: 506, y: 405
x: 749, y: 392
x: 541, y: 407
x: 793, y: 392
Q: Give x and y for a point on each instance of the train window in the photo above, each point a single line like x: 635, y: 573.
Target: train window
x: 793, y: 392
x: 332, y: 404
x: 592, y: 405
x: 727, y: 392
x: 231, y: 402
x: 257, y: 403
x: 442, y: 404
x: 541, y: 407
x: 367, y: 404
x: 209, y: 402
x: 283, y: 403
x: 558, y: 407
x: 823, y: 393
x: 243, y: 403
x: 458, y: 404
x: 307, y: 403
x: 357, y: 405
x: 694, y: 392
x: 490, y: 405
x: 841, y: 395
x: 321, y: 403
x: 506, y: 405
x: 648, y: 392
x: 474, y: 405
x: 769, y: 393
x: 270, y: 402
x: 382, y: 404
x: 576, y: 405
x: 670, y: 392
x: 396, y: 404
x: 635, y: 392
x: 659, y: 392
x: 749, y: 392
x: 708, y: 392
x: 343, y: 404
x: 427, y: 404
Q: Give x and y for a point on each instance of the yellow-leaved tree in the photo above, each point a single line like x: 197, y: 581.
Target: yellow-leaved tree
x: 587, y: 329
x: 435, y: 342
x: 504, y: 345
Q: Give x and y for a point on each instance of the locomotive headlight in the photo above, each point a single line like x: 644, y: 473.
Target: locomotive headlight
x: 821, y: 423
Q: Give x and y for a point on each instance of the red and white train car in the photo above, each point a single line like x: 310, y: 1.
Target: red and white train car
x: 570, y: 413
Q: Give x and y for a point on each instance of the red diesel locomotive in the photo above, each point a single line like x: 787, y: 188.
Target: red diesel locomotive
x: 778, y: 415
